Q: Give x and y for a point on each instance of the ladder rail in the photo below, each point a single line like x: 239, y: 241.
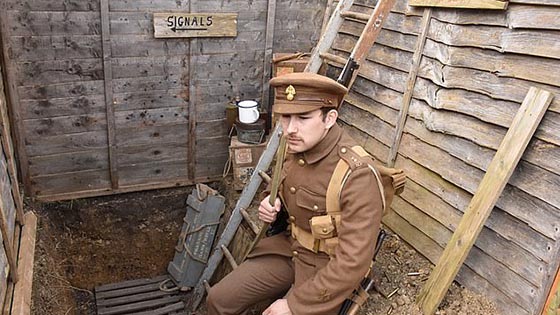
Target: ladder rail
x: 236, y: 217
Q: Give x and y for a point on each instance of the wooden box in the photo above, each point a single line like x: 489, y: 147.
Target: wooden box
x: 289, y: 65
x: 244, y: 158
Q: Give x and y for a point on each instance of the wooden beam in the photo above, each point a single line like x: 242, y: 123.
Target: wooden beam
x: 552, y: 305
x: 21, y: 304
x: 468, y: 4
x: 109, y: 101
x: 409, y: 90
x: 11, y: 163
x: 10, y: 71
x: 489, y: 190
x: 191, y: 142
x: 9, y: 241
x: 267, y: 67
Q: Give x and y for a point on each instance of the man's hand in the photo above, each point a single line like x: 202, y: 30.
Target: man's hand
x: 279, y: 307
x: 268, y: 213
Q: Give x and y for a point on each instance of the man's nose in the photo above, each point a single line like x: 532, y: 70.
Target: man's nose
x: 291, y: 126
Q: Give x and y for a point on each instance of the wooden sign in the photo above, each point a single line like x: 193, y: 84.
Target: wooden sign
x: 171, y: 25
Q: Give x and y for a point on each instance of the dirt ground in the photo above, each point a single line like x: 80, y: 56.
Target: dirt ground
x: 85, y: 243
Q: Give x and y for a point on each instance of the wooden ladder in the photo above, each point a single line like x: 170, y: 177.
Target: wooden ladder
x: 320, y: 53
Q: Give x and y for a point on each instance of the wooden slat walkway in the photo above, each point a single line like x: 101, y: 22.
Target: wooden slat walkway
x: 138, y: 297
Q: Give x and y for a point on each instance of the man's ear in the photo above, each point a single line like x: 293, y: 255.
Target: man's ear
x: 331, y: 117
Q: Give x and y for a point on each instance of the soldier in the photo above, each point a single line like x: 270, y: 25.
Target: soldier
x: 314, y: 266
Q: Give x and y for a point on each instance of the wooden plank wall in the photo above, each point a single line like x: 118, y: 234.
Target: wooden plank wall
x: 475, y: 70
x: 102, y: 107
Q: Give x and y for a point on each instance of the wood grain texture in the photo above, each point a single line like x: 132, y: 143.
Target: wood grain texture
x: 483, y: 201
x: 464, y: 4
x: 21, y: 303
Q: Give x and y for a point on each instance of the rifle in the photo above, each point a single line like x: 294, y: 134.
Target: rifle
x: 347, y: 72
x: 352, y: 304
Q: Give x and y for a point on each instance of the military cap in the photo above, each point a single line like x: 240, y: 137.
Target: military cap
x: 302, y: 92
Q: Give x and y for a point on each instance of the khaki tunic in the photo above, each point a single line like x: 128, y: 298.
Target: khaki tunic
x: 322, y: 283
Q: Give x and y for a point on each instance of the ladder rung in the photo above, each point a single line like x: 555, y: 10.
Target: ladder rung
x: 229, y: 256
x: 355, y: 15
x: 206, y: 285
x: 265, y: 176
x: 333, y: 58
x: 247, y: 218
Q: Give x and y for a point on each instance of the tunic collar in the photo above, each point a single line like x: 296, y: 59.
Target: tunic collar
x: 325, y: 146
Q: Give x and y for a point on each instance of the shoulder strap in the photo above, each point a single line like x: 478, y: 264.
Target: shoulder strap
x: 338, y: 179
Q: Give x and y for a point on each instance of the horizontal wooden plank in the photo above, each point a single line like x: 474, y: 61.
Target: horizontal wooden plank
x: 53, y: 107
x: 212, y: 128
x: 461, y: 175
x: 61, y: 90
x: 151, y: 117
x: 27, y: 23
x: 69, y: 162
x: 368, y: 123
x: 149, y: 66
x: 60, y: 71
x: 466, y: 276
x: 154, y: 152
x: 529, y: 42
x: 149, y: 135
x: 65, y: 143
x: 377, y: 149
x: 129, y: 283
x: 155, y: 6
x: 463, y: 4
x: 146, y: 46
x: 59, y: 47
x: 70, y: 182
x: 145, y: 84
x: 540, y: 2
x: 48, y: 5
x: 143, y: 173
x: 64, y: 125
x: 510, y: 283
x: 151, y: 99
x: 504, y: 251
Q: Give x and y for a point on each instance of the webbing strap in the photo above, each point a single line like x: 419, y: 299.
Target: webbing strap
x: 338, y: 178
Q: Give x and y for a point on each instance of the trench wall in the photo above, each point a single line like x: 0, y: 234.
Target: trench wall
x: 475, y: 69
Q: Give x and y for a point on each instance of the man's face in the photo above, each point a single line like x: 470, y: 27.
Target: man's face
x: 305, y: 130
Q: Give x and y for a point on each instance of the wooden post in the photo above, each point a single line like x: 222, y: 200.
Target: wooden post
x: 407, y: 97
x: 465, y: 4
x: 9, y: 241
x: 552, y: 305
x: 191, y: 145
x: 10, y: 81
x: 267, y: 67
x: 11, y: 163
x: 110, y: 103
x: 21, y: 304
x: 494, y: 181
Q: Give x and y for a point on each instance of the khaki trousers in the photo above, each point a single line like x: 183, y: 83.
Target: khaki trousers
x: 256, y: 279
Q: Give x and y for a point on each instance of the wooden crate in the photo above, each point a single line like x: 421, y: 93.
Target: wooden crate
x: 244, y: 158
x: 288, y: 66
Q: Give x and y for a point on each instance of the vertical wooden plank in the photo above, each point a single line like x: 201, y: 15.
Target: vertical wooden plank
x: 552, y: 305
x: 11, y: 163
x: 191, y: 154
x: 10, y: 82
x: 267, y: 67
x: 108, y: 78
x: 489, y: 190
x: 407, y: 97
x: 21, y: 304
x: 8, y: 247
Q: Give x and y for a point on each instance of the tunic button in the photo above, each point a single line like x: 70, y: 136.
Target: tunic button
x: 325, y: 230
x: 343, y: 150
x: 295, y: 253
x: 301, y: 162
x: 292, y: 219
x: 315, y: 207
x: 293, y: 190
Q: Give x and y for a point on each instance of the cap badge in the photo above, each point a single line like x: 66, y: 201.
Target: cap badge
x: 290, y: 92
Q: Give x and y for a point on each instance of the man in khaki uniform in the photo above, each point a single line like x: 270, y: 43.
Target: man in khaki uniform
x: 312, y: 268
